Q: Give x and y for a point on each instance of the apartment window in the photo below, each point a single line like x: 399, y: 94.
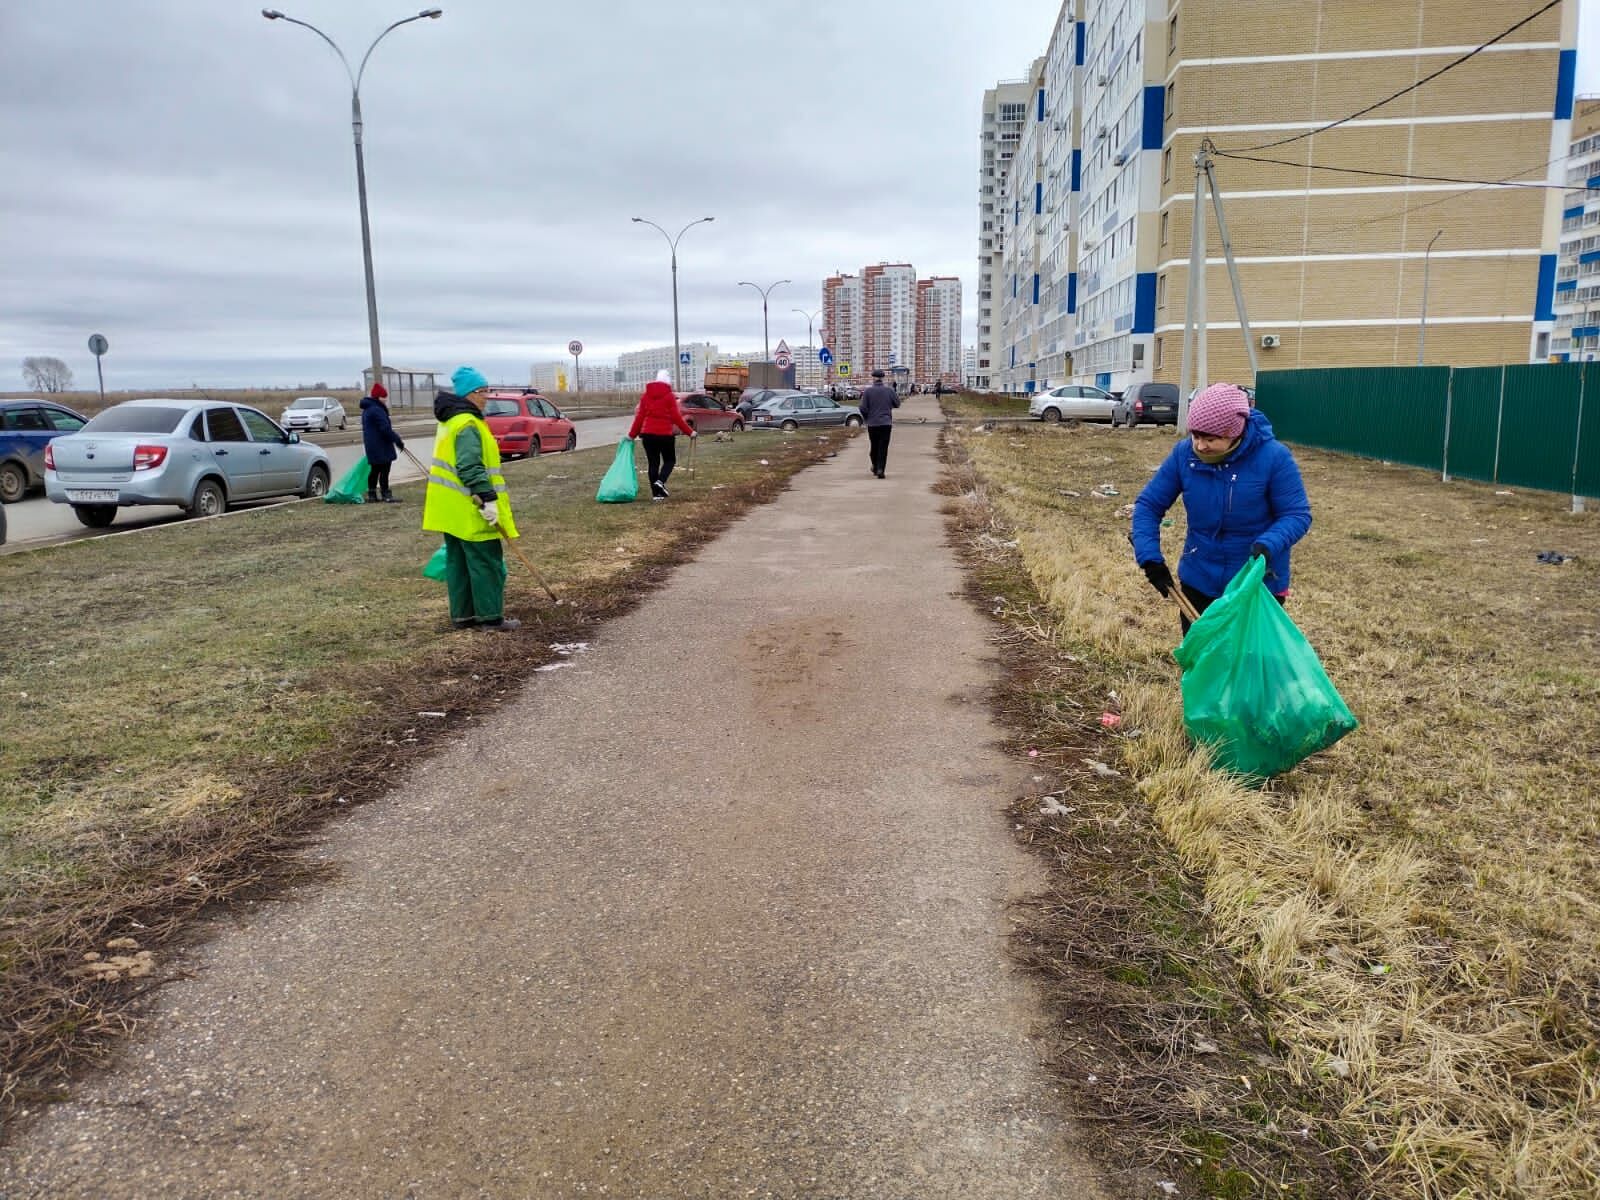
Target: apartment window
x: 1172, y: 36
x: 1172, y: 96
x: 1160, y: 345
x: 1166, y: 165
x: 1161, y: 291
x: 1164, y: 217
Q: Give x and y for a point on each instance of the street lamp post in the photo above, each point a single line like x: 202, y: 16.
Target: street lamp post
x: 677, y: 352
x: 766, y: 352
x: 273, y: 14
x: 810, y: 320
x: 1422, y: 325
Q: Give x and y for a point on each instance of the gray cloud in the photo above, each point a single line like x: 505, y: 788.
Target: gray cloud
x: 182, y: 176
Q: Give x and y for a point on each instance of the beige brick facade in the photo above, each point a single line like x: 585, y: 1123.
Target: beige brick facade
x: 1485, y: 263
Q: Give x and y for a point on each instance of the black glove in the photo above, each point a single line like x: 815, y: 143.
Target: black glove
x: 1159, y: 576
x: 399, y: 445
x: 1258, y: 551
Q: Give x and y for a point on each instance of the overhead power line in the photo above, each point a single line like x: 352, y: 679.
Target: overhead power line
x: 1408, y: 88
x: 1505, y: 183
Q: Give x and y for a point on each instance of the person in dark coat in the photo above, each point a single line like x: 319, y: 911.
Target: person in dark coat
x: 380, y: 441
x: 878, y: 403
x: 1242, y: 494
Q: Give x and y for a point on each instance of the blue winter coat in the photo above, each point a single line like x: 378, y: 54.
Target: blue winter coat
x: 1255, y: 495
x: 377, y: 435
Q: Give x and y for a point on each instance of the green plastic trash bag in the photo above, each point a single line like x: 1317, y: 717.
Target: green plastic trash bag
x: 435, y: 567
x: 620, y: 483
x: 1253, y: 688
x: 352, y: 485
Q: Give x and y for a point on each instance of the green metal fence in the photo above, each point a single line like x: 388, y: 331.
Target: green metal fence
x: 1532, y: 426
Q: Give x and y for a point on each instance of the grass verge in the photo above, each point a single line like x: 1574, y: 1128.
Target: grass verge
x: 181, y: 705
x: 1410, y: 917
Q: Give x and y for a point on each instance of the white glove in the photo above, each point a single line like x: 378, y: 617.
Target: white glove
x: 694, y: 433
x: 491, y: 512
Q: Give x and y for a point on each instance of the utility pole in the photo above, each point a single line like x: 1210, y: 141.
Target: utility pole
x: 1194, y: 324
x: 1422, y: 324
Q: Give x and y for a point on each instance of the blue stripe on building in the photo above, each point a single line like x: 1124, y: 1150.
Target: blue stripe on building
x: 1144, y: 303
x: 1588, y: 256
x: 1544, y: 304
x: 1592, y: 181
x: 1566, y: 80
x: 1036, y: 287
x: 1041, y: 104
x: 1103, y: 381
x: 1077, y: 34
x: 1038, y: 197
x: 1567, y: 285
x: 1077, y: 169
x: 1154, y: 114
x: 1072, y: 292
x: 1583, y: 331
x: 1572, y: 212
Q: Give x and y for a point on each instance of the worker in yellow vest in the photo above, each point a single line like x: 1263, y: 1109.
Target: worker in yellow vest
x: 467, y: 502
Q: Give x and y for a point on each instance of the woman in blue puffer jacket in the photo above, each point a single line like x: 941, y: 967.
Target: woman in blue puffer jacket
x: 380, y: 441
x: 1243, y: 495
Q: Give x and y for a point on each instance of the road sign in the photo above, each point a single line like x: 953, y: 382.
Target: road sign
x: 825, y: 356
x: 783, y: 359
x: 683, y: 357
x: 574, y: 347
x: 783, y: 346
x: 891, y: 358
x: 844, y: 368
x: 98, y: 345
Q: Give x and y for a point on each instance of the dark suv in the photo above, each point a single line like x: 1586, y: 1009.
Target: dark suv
x: 1147, y: 404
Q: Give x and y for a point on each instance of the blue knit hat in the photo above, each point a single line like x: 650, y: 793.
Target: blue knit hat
x: 467, y: 380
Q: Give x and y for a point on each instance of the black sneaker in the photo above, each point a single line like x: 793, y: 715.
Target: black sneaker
x: 391, y: 499
x: 660, y: 489
x: 372, y: 497
x: 504, y: 625
x: 469, y: 623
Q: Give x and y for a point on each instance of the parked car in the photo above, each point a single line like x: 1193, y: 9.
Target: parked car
x: 315, y: 412
x: 1073, y: 402
x: 707, y: 413
x: 199, y: 455
x: 789, y: 412
x: 525, y: 423
x: 1147, y: 404
x: 26, y: 428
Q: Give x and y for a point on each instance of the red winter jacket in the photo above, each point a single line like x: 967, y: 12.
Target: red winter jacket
x: 658, y: 411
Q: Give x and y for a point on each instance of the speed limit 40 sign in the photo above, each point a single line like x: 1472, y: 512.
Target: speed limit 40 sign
x: 574, y: 347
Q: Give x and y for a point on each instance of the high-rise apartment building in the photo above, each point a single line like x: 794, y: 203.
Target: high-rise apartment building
x: 555, y: 375
x: 639, y: 367
x: 1331, y: 236
x: 1577, y: 291
x: 938, y: 340
x: 1005, y: 108
x: 888, y: 317
x: 841, y: 320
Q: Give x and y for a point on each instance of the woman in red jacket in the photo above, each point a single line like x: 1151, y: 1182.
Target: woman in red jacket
x: 655, y: 422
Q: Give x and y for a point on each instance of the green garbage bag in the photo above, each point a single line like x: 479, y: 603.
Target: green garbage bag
x: 620, y: 483
x: 352, y: 485
x: 434, y: 569
x: 1253, y: 688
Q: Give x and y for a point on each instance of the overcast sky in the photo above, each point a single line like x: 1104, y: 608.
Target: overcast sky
x: 180, y: 177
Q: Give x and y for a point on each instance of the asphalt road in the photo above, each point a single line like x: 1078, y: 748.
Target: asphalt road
x: 36, y: 522
x: 718, y: 911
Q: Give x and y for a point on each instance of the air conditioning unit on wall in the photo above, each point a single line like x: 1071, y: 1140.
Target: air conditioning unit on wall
x: 1269, y: 341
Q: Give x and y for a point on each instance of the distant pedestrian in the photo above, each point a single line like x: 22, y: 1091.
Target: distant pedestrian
x: 380, y: 442
x: 655, y: 421
x: 1242, y: 494
x: 878, y: 403
x: 467, y: 502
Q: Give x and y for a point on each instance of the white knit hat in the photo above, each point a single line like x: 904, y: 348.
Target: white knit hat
x: 664, y: 376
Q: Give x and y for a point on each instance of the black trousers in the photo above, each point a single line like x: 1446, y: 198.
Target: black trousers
x: 378, y: 479
x: 1201, y: 602
x: 878, y: 446
x: 661, y: 455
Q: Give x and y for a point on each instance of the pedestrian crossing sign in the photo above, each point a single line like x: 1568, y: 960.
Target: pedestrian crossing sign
x: 844, y: 368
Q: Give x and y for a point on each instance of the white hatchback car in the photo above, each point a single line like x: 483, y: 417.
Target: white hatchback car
x: 1074, y: 402
x: 315, y: 412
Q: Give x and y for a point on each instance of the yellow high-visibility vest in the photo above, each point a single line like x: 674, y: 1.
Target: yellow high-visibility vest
x: 448, y: 507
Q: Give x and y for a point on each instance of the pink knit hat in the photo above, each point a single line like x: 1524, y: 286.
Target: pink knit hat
x: 1220, y: 410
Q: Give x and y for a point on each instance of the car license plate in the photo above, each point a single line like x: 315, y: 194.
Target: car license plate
x: 92, y: 495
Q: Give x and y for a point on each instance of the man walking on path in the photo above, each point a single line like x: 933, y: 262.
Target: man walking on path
x: 466, y: 501
x: 878, y: 403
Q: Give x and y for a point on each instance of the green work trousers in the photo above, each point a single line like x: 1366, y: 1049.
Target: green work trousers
x: 475, y: 577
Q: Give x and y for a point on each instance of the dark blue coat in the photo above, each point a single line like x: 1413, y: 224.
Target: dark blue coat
x: 377, y: 434
x: 1255, y: 495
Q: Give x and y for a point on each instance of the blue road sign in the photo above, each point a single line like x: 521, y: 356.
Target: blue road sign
x: 825, y: 356
x: 683, y: 357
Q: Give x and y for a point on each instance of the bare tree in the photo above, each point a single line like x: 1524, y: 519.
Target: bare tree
x: 45, y: 374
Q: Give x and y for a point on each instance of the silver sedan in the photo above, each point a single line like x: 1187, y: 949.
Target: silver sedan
x: 315, y: 412
x: 789, y: 412
x: 201, y: 456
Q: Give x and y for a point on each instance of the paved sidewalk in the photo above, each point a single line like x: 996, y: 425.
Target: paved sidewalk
x: 719, y: 911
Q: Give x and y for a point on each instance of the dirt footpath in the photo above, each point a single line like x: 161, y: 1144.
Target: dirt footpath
x: 717, y: 911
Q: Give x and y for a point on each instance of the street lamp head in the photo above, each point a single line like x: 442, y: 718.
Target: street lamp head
x: 271, y: 14
x: 435, y: 13
x: 637, y: 220
x: 708, y: 218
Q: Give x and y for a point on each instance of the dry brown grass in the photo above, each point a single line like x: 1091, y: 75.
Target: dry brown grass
x: 1415, y: 909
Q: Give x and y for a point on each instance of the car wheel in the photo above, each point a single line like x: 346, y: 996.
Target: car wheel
x: 789, y: 426
x: 13, y: 483
x: 737, y: 426
x: 344, y: 422
x: 534, y: 447
x: 852, y: 422
x: 1052, y: 416
x: 95, y: 516
x: 209, y: 499
x: 572, y: 441
x: 316, y: 483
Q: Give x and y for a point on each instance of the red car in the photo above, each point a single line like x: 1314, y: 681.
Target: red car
x: 525, y: 423
x: 706, y: 412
